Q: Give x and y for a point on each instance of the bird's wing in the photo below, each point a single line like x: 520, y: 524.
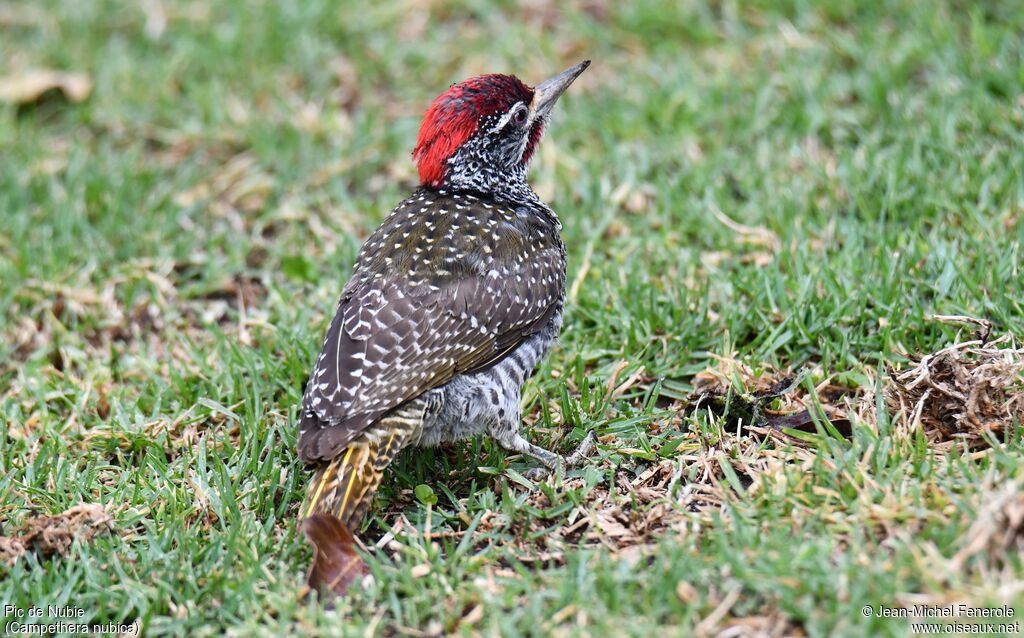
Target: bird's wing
x: 396, y: 336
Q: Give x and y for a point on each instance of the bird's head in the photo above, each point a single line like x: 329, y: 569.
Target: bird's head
x: 480, y: 134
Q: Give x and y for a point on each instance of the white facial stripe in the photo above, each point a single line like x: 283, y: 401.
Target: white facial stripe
x: 522, y: 146
x: 505, y: 118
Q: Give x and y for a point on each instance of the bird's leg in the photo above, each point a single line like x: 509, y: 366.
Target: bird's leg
x: 512, y: 439
x: 582, y: 450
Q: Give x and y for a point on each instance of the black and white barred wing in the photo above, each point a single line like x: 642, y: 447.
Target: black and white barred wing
x: 390, y: 342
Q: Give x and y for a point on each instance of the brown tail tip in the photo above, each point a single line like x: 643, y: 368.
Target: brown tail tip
x: 335, y: 562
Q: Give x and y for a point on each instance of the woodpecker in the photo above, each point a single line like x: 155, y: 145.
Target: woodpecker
x: 452, y: 303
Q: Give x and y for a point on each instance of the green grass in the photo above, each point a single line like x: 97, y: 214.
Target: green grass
x: 243, y: 150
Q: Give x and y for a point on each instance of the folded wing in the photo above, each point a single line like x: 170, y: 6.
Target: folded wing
x: 397, y: 335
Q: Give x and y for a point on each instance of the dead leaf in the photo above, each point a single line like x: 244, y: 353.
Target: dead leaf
x: 30, y: 86
x: 335, y: 561
x: 685, y: 592
x: 804, y: 422
x: 748, y: 408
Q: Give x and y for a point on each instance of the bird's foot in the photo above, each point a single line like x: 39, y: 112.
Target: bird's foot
x: 582, y: 450
x: 574, y: 459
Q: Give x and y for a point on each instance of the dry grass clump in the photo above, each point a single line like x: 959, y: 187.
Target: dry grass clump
x: 49, y: 535
x: 998, y: 530
x: 963, y: 391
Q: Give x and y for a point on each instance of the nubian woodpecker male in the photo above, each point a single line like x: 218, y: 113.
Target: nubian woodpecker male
x: 453, y: 302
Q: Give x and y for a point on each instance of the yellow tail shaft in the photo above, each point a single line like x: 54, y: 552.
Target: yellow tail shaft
x: 345, y: 486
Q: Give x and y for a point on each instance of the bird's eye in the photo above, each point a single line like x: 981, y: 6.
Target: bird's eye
x: 519, y: 117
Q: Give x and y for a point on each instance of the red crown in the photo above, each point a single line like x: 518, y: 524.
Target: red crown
x: 455, y: 116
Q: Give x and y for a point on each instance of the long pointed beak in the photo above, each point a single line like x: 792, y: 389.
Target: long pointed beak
x: 547, y: 92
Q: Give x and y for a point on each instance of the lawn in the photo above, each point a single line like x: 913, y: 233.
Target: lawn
x: 753, y: 194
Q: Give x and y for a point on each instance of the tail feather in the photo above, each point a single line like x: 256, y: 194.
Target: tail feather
x: 340, y: 487
x: 342, y: 490
x: 344, y: 487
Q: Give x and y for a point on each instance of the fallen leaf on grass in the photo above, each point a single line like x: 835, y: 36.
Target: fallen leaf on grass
x: 49, y: 535
x: 335, y: 561
x: 29, y: 87
x: 803, y: 421
x: 686, y: 593
x: 749, y: 409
